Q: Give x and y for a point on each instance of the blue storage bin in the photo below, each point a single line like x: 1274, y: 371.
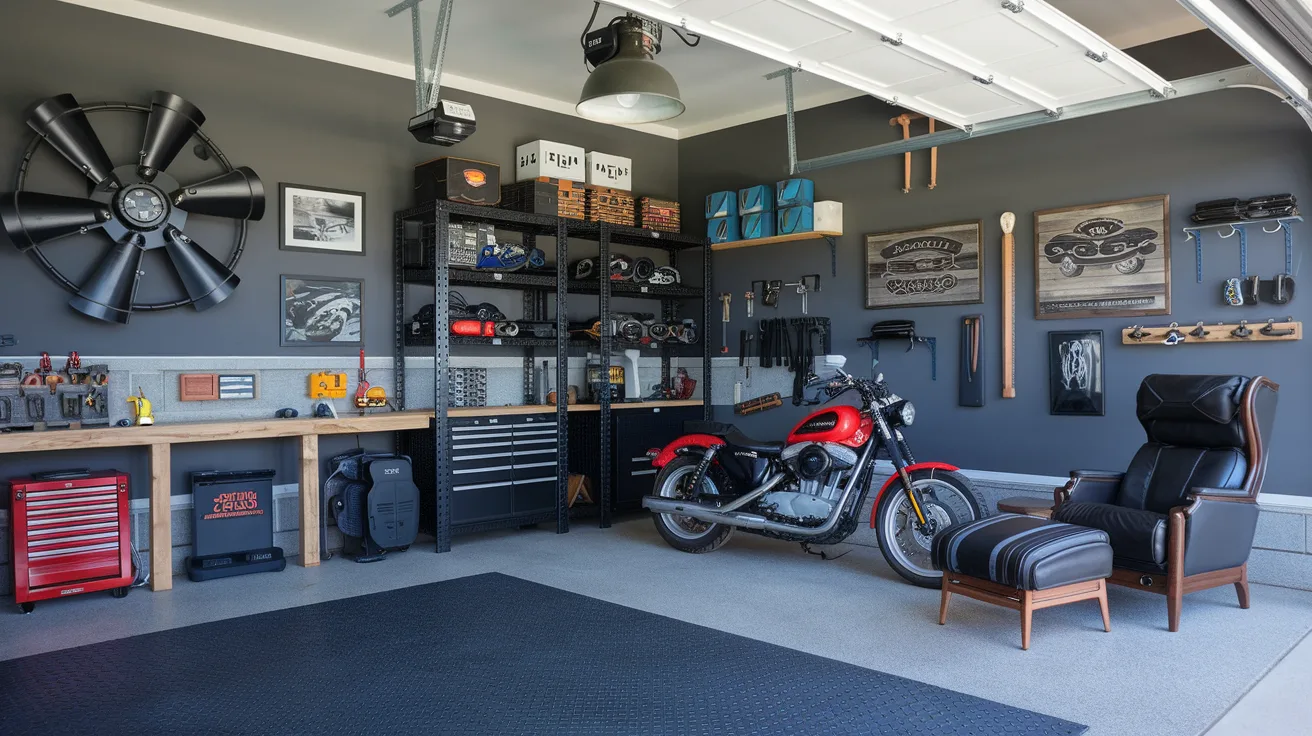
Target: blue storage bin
x: 721, y: 204
x: 759, y: 198
x: 798, y: 219
x: 790, y: 192
x: 758, y: 225
x: 722, y: 229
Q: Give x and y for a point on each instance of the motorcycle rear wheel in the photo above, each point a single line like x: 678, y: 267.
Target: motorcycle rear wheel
x: 682, y: 532
x: 948, y: 499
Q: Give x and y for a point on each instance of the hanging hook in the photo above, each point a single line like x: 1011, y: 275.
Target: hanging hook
x: 1138, y: 333
x: 1199, y: 331
x: 1173, y: 335
x: 1279, y: 227
x: 1233, y: 232
x: 1242, y: 330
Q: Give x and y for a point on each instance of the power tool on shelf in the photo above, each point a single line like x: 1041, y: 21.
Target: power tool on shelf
x: 367, y: 396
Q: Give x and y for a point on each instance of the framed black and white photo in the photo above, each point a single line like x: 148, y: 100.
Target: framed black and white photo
x: 1075, y: 375
x: 322, y: 311
x: 320, y: 220
x: 1103, y: 260
x: 925, y: 267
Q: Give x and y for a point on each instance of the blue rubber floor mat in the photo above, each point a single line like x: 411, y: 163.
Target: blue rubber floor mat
x: 487, y: 654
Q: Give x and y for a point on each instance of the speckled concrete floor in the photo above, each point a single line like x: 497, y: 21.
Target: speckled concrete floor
x: 1139, y: 679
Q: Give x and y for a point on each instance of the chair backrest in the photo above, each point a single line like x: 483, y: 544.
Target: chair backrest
x: 1203, y: 431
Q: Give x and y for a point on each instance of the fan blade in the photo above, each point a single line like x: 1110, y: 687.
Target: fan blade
x: 206, y: 280
x: 238, y: 194
x: 172, y: 122
x: 61, y: 122
x: 108, y: 294
x: 33, y: 218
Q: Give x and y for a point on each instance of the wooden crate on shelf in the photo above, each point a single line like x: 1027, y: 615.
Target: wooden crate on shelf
x: 659, y: 214
x: 545, y: 196
x: 609, y: 205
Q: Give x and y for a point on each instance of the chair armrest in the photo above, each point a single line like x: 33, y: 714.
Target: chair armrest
x: 1218, y: 530
x: 1230, y: 495
x: 1089, y: 486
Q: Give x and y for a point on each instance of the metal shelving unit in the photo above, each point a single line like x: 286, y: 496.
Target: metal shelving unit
x: 433, y: 220
x: 607, y: 235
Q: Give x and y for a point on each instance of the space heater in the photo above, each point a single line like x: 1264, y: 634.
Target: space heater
x: 72, y: 535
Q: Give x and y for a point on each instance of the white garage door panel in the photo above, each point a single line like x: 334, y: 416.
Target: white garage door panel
x: 962, y: 61
x: 990, y: 40
x: 885, y: 67
x: 780, y: 25
x: 971, y: 100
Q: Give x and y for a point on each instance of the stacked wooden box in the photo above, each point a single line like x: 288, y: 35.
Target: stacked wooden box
x: 659, y: 214
x: 545, y: 195
x: 609, y: 205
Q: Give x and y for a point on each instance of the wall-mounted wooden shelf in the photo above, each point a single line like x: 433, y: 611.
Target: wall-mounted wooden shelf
x: 829, y: 237
x: 1216, y: 333
x: 772, y: 240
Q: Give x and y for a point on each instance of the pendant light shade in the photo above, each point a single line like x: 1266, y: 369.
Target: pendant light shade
x: 629, y: 87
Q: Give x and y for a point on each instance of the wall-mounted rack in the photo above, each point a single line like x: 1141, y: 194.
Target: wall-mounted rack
x: 829, y: 237
x: 1272, y: 330
x: 1241, y: 229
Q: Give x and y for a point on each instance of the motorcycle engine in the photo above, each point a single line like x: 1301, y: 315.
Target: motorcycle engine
x: 817, y: 470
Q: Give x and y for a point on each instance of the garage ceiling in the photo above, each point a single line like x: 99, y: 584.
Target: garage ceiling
x: 535, y: 59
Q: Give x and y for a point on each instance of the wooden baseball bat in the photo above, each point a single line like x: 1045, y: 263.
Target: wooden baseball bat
x: 1008, y: 221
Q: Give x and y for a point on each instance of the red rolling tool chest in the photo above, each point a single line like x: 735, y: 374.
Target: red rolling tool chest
x: 72, y: 535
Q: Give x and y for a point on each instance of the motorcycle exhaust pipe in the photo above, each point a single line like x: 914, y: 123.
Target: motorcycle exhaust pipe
x: 711, y: 515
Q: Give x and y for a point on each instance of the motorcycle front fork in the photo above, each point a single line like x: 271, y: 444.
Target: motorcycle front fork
x: 895, y: 449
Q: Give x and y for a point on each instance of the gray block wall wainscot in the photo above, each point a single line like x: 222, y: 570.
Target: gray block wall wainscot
x: 1230, y: 143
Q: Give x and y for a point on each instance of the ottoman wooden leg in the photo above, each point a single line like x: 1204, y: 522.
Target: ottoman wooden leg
x: 1102, y: 603
x: 1026, y: 617
x: 943, y: 605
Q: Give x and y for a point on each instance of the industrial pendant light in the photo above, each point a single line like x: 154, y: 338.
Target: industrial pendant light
x: 627, y: 86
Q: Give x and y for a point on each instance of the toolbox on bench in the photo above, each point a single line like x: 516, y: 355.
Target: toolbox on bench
x: 71, y: 535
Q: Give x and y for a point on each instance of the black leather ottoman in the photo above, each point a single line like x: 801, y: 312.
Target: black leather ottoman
x: 1023, y: 563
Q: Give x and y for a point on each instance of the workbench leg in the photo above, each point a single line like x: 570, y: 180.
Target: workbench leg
x: 309, y: 500
x: 161, y: 518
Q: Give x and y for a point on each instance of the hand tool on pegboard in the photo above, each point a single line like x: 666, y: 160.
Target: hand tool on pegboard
x: 970, y: 385
x: 1008, y: 221
x: 725, y: 298
x: 805, y: 285
x: 750, y: 297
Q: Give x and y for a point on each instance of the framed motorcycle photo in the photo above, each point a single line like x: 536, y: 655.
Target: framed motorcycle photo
x: 925, y: 267
x: 1103, y: 260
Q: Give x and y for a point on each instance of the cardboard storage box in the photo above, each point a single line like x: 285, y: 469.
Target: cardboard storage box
x: 609, y: 205
x: 545, y: 196
x: 721, y: 204
x: 759, y: 198
x: 548, y: 158
x: 605, y: 170
x: 790, y: 192
x: 757, y: 225
x: 659, y: 214
x: 722, y: 229
x: 459, y: 180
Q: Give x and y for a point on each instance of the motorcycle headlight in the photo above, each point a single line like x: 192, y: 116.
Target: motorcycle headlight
x: 907, y: 413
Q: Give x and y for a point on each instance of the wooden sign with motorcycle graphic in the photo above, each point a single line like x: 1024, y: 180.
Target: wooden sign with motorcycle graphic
x: 1111, y: 259
x: 925, y: 267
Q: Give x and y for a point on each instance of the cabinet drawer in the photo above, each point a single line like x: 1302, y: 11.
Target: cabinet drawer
x: 535, y: 494
x: 481, y: 502
x: 531, y: 469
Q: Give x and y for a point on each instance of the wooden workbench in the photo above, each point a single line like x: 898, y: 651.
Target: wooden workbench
x: 161, y: 437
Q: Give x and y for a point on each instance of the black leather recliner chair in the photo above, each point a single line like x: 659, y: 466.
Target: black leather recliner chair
x: 1182, y: 517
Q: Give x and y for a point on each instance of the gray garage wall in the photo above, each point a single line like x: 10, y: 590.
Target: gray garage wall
x: 290, y: 118
x: 1232, y: 143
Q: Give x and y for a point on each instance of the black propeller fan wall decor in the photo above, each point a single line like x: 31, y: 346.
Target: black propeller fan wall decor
x: 137, y: 205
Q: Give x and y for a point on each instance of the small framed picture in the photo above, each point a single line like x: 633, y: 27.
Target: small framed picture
x: 320, y: 220
x: 1075, y: 376
x: 323, y: 311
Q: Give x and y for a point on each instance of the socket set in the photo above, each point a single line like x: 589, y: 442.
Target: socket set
x: 468, y: 386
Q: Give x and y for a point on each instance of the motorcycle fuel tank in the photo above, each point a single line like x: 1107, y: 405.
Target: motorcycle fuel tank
x: 833, y: 424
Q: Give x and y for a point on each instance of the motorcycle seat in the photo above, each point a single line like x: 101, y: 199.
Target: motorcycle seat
x: 733, y: 436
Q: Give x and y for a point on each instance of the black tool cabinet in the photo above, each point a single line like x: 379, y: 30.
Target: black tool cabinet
x: 497, y: 467
x: 634, y: 431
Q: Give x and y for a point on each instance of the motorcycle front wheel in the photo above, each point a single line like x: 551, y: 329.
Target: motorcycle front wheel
x: 685, y: 533
x: 948, y: 498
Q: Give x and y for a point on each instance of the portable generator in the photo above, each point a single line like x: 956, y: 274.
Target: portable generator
x: 72, y: 535
x: 375, y: 503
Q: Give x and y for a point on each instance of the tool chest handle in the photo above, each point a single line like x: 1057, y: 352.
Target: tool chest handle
x: 63, y: 474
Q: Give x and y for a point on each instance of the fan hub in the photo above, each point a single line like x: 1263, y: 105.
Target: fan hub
x: 142, y: 206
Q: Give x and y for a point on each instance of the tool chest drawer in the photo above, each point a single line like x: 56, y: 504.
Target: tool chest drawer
x: 71, y: 534
x: 502, y: 467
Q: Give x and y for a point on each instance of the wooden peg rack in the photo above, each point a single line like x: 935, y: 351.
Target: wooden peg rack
x: 1259, y: 331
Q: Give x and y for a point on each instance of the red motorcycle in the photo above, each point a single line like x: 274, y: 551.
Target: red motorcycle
x: 811, y: 488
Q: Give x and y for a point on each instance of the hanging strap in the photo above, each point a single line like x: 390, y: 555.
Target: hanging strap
x: 1197, y: 235
x: 1243, y: 252
x: 1287, y: 226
